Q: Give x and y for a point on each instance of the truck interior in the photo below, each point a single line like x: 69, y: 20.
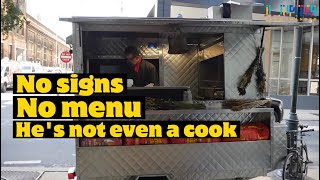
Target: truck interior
x: 199, y: 55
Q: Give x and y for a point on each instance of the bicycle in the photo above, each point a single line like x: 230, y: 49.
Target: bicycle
x: 297, y: 160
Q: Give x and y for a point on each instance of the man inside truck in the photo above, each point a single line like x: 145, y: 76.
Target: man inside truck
x: 143, y: 73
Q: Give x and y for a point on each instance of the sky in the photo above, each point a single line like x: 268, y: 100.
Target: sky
x: 51, y: 10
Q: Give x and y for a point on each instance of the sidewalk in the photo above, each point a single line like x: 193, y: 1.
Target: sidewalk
x: 37, y: 173
x: 308, y: 115
x: 313, y: 174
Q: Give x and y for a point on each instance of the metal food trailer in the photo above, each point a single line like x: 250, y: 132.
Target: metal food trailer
x: 215, y: 54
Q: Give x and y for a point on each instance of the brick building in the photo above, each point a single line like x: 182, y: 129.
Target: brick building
x: 15, y: 44
x: 43, y: 45
x: 34, y: 42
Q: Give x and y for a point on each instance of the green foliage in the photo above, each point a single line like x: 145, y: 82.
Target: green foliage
x: 11, y: 17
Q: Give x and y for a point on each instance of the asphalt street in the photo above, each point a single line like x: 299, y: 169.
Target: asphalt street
x: 31, y: 152
x: 61, y: 152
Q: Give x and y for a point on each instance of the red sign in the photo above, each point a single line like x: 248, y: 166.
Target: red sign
x: 65, y: 56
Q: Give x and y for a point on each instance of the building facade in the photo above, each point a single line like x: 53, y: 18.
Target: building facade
x: 34, y: 42
x: 279, y: 66
x: 14, y: 47
x: 44, y: 46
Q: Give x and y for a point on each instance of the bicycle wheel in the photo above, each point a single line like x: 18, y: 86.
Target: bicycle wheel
x: 291, y: 167
x: 305, y: 160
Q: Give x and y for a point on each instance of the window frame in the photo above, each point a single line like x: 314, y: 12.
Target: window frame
x: 309, y: 79
x: 30, y: 46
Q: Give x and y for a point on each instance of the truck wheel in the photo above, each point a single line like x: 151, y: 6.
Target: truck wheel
x: 4, y: 87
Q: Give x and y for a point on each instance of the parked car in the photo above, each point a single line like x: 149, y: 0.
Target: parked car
x: 48, y: 69
x: 57, y: 70
x: 7, y: 70
x: 32, y: 68
x: 6, y: 80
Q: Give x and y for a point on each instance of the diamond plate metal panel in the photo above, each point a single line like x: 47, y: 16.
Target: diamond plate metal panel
x: 219, y: 29
x: 240, y: 51
x: 205, y: 161
x: 164, y: 28
x: 245, y: 116
x: 181, y: 69
x: 221, y: 160
x: 279, y: 145
x: 115, y: 47
x: 213, y: 51
x: 143, y: 46
x: 77, y: 49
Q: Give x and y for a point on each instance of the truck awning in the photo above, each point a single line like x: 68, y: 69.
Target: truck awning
x: 182, y: 21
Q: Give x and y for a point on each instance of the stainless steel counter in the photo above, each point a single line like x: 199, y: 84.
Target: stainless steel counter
x: 222, y: 160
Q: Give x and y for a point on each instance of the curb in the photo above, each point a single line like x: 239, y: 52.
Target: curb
x: 39, y: 169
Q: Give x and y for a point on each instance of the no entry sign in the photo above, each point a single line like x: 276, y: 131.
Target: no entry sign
x: 65, y: 56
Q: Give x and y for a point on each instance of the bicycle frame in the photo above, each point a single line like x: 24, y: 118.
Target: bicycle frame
x: 297, y: 165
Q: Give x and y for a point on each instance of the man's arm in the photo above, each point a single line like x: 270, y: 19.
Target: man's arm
x: 153, y: 75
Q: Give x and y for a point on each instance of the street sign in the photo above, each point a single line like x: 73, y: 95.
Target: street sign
x: 65, y: 56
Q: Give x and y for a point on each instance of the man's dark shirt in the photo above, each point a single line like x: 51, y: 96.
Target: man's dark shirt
x: 147, y: 74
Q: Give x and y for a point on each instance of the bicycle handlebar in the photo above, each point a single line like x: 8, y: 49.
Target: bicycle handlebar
x: 307, y: 130
x: 303, y: 126
x: 296, y: 131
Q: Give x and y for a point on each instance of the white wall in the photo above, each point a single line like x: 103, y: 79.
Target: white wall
x: 188, y: 12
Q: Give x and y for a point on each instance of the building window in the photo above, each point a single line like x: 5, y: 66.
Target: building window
x: 281, y: 58
x: 314, y: 81
x: 284, y: 87
x: 50, y: 54
x: 305, y: 51
x: 39, y: 49
x: 45, y: 52
x: 287, y: 50
x: 22, y: 30
x: 19, y: 30
x: 314, y: 88
x: 303, y: 87
x: 315, y: 56
x: 315, y: 64
x: 2, y: 51
x: 10, y: 52
x: 31, y: 38
x: 275, y: 64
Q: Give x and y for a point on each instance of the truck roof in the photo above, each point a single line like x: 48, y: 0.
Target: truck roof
x: 193, y: 21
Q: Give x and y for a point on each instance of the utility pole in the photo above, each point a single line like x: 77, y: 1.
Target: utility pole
x: 293, y: 120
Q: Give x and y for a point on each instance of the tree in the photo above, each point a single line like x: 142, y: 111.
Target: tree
x: 11, y: 17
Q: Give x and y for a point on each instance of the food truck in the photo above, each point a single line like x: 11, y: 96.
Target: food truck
x: 200, y: 63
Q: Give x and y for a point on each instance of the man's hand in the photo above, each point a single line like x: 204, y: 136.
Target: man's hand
x: 150, y: 85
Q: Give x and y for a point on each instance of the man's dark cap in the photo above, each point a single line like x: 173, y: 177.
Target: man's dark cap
x: 131, y: 50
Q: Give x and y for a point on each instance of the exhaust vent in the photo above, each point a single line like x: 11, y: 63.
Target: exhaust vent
x: 177, y: 43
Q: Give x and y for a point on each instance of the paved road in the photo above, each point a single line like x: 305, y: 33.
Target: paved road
x: 31, y: 152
